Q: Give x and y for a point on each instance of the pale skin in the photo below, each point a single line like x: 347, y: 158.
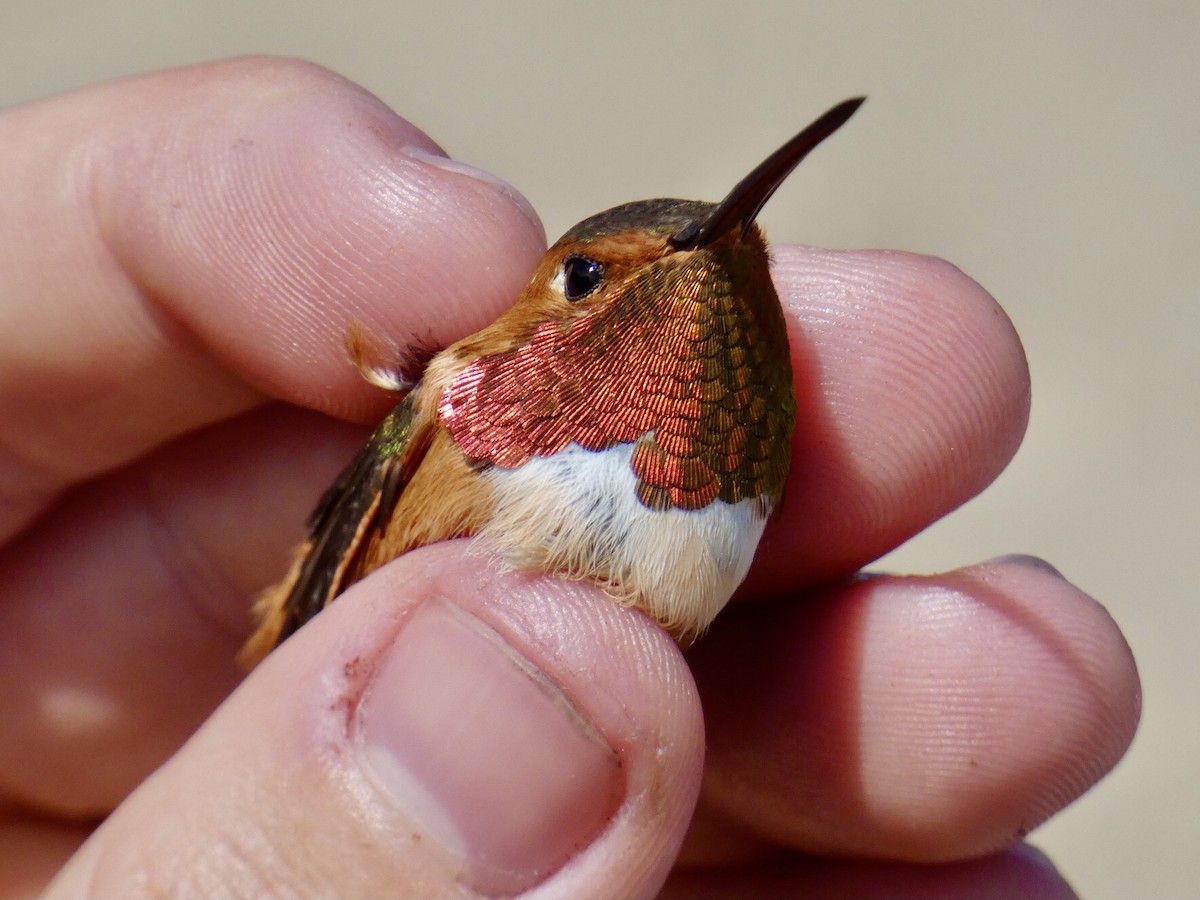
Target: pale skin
x: 182, y: 252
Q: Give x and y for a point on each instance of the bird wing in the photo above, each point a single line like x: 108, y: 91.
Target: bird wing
x: 354, y: 508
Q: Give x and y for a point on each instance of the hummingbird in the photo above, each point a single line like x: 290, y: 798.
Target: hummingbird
x: 627, y: 421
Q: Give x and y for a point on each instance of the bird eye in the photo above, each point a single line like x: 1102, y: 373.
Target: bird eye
x: 581, y: 276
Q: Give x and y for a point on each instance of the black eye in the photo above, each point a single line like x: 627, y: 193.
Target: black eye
x: 581, y: 276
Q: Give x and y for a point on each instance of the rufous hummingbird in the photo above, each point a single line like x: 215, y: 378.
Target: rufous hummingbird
x: 628, y: 421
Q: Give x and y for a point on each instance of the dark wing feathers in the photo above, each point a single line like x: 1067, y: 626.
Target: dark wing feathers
x: 354, y: 508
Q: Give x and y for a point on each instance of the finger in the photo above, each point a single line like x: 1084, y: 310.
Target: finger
x: 450, y: 730
x: 124, y: 609
x: 181, y: 243
x: 913, y: 394
x: 33, y: 850
x: 1020, y: 872
x: 922, y: 719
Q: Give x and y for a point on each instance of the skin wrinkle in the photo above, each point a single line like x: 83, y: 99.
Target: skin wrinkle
x: 261, y: 200
x: 1063, y: 647
x: 964, y: 591
x: 943, y: 717
x: 860, y: 323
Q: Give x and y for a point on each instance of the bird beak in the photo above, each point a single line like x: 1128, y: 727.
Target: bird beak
x: 740, y: 208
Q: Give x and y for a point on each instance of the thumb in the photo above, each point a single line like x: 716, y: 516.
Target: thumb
x: 444, y: 729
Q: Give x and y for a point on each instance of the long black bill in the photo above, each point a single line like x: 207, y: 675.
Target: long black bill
x: 750, y: 195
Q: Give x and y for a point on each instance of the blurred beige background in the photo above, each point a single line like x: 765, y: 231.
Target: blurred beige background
x: 1050, y: 150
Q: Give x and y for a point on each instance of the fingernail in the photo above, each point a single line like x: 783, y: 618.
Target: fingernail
x: 872, y: 575
x: 1027, y: 560
x: 484, y: 753
x: 447, y: 164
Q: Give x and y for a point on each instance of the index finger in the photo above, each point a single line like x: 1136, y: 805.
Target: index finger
x: 182, y: 245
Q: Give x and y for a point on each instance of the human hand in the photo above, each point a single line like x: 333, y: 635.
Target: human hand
x: 184, y: 251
